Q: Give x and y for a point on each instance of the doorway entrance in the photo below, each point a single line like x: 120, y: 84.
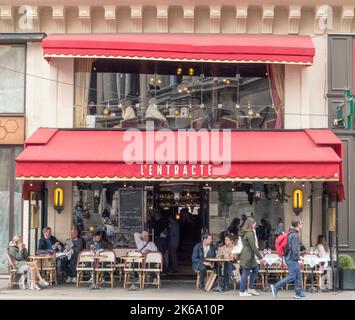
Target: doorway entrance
x: 179, y: 217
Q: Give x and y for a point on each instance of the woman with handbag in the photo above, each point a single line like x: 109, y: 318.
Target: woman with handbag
x: 247, y: 258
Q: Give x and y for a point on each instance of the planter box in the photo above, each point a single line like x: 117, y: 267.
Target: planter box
x: 347, y: 279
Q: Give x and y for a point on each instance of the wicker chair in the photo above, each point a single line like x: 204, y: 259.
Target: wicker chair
x: 153, y: 263
x: 84, y: 264
x: 106, y: 265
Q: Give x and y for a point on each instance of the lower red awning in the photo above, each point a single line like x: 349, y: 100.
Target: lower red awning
x: 60, y: 154
x: 225, y: 48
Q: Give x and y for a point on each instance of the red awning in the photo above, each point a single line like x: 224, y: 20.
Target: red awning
x: 59, y: 154
x: 241, y: 48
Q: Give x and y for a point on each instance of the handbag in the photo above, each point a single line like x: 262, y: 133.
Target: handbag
x: 237, y: 250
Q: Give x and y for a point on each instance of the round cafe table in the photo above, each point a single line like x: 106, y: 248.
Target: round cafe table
x: 96, y: 259
x: 133, y: 259
x: 41, y: 258
x: 218, y: 262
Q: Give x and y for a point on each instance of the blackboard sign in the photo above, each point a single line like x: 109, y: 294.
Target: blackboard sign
x: 131, y: 209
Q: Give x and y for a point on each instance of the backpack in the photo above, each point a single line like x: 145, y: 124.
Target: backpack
x: 281, y: 243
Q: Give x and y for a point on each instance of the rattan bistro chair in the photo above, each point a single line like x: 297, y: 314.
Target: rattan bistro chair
x: 14, y: 275
x: 209, y: 272
x: 49, y: 270
x: 106, y: 265
x: 120, y: 252
x: 153, y: 263
x: 128, y: 269
x: 84, y: 264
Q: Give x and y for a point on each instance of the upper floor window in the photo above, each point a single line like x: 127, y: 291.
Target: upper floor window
x: 12, y: 75
x: 121, y: 94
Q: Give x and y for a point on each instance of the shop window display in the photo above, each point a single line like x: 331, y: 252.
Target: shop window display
x: 124, y: 94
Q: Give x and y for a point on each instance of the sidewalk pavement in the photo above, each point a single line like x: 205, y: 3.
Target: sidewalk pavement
x: 170, y: 290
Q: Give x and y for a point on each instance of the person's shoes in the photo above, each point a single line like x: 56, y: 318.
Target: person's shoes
x: 273, y: 291
x: 43, y: 283
x: 253, y: 292
x: 34, y: 287
x: 73, y: 280
x: 245, y: 294
x: 155, y: 281
x: 201, y: 287
x: 225, y: 288
x: 301, y: 296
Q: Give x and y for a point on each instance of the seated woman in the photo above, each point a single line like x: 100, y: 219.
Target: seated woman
x: 19, y: 254
x: 228, y: 267
x: 324, y: 252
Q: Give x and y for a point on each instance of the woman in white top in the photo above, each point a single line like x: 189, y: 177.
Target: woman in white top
x: 324, y: 253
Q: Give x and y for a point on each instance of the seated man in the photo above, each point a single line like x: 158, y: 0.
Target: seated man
x: 142, y: 242
x: 48, y: 242
x: 98, y: 242
x: 72, y: 249
x: 95, y: 242
x: 201, y: 251
x: 19, y: 254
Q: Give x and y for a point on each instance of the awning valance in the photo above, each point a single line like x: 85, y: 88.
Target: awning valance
x: 224, y: 48
x: 64, y: 154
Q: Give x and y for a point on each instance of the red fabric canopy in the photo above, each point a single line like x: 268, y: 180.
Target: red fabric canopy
x: 244, y: 48
x: 54, y: 154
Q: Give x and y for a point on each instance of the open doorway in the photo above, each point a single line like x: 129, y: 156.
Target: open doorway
x: 178, y: 218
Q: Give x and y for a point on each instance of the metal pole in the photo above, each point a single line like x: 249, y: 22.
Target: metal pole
x: 337, y: 245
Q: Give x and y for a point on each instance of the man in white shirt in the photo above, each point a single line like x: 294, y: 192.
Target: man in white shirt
x: 142, y: 242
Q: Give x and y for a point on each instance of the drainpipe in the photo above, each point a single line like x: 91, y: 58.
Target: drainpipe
x: 311, y: 215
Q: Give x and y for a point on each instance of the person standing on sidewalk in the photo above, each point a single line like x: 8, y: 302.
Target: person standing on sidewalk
x: 247, y: 258
x: 292, y: 256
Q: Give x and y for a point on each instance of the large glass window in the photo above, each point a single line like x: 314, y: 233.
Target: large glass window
x: 119, y: 94
x: 12, y: 75
x: 10, y: 201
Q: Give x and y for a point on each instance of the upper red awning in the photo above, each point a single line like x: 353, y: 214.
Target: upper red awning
x: 225, y: 48
x: 59, y: 154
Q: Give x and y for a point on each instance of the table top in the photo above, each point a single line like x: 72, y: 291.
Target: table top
x: 132, y: 258
x: 42, y: 256
x: 89, y: 257
x: 219, y: 259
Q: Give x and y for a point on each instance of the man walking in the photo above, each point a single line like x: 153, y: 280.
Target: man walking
x: 292, y: 256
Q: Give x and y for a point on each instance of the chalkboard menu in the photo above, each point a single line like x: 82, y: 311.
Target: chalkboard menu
x: 131, y: 209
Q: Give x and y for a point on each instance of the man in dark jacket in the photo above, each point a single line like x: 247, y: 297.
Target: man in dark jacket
x: 48, y: 241
x: 292, y: 257
x: 201, y: 251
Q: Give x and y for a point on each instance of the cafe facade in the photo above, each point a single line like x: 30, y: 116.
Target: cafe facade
x: 205, y: 112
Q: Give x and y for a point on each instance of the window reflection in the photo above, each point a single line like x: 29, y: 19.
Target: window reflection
x: 124, y: 94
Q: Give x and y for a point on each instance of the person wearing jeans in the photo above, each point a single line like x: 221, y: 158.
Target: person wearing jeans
x: 292, y: 257
x: 247, y: 258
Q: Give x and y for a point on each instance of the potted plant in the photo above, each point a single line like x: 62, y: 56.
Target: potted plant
x: 346, y: 272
